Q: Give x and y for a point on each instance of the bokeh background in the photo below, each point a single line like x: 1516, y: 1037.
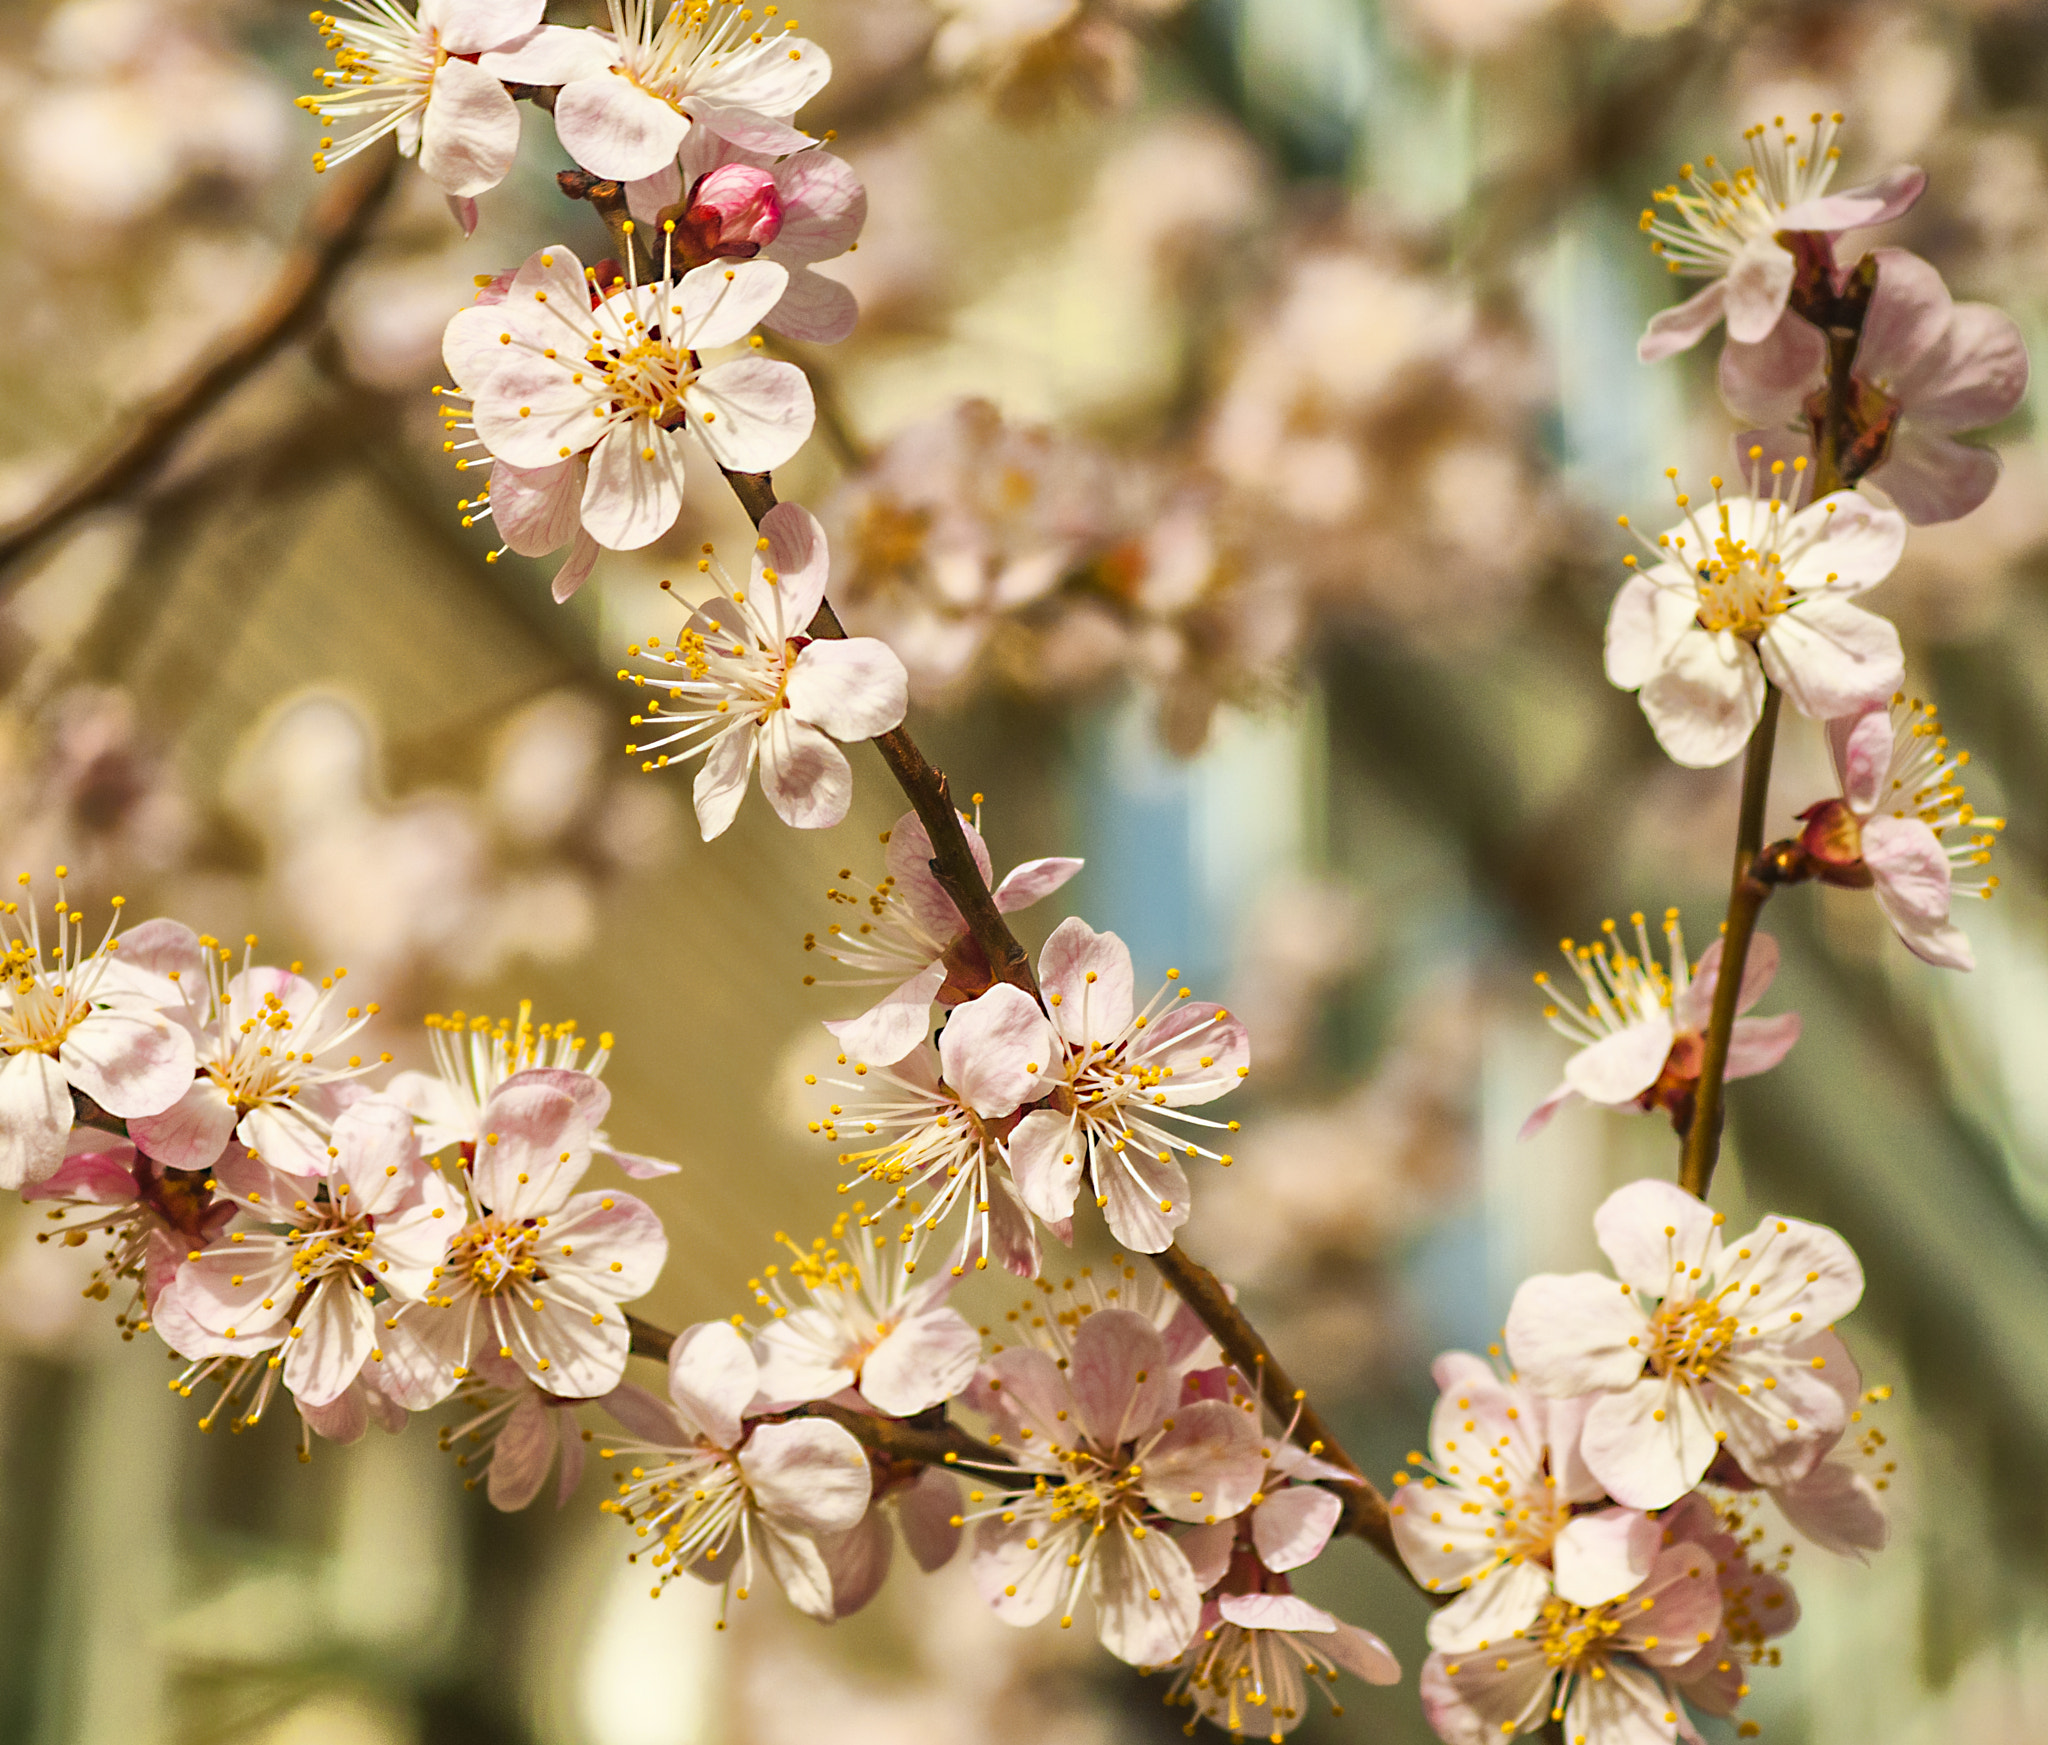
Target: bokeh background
x: 1230, y: 443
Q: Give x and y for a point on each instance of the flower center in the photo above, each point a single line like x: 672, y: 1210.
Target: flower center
x: 647, y: 375
x: 1575, y: 1638
x: 40, y: 1015
x: 1688, y: 1337
x: 1741, y: 589
x: 495, y: 1253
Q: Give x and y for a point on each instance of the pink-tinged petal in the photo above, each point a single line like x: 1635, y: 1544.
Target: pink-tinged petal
x: 528, y: 410
x: 1124, y: 1575
x: 330, y: 1342
x: 1759, y: 280
x: 1683, y: 1582
x: 1571, y: 1334
x: 97, y: 1167
x: 1830, y: 658
x: 777, y: 83
x: 1539, y: 1117
x: 1650, y: 1444
x: 35, y: 1117
x: 1199, y: 1050
x: 586, y: 1090
x: 1020, y: 1582
x: 409, y: 1246
x: 618, y: 1244
x: 1492, y: 1609
x: 1934, y: 478
x: 1683, y: 326
x: 1788, y: 1264
x: 1291, y: 1528
x: 1891, y: 196
x: 1444, y: 1546
x: 576, y: 568
x: 808, y: 1474
x: 814, y: 309
x: 802, y: 563
x: 424, y: 1347
x: 1861, y: 746
x: 853, y: 689
x: 1208, y: 1466
x: 804, y: 776
x: 614, y: 129
x: 1913, y: 875
x: 1601, y: 1556
x: 1619, y: 1068
x: 722, y: 779
x: 1208, y: 1550
x: 551, y: 55
x: 1045, y: 1151
x: 799, y: 1567
x: 1490, y: 1698
x: 1121, y: 1381
x: 1026, y: 1390
x: 1941, y: 943
x: 1034, y: 880
x: 823, y: 207
x: 192, y: 1132
x: 720, y: 304
x: 711, y: 1378
x: 926, y: 1512
x: 1627, y: 1707
x: 470, y: 133
x: 342, y: 1420
x: 890, y: 1029
x: 926, y: 1360
x: 1275, y: 1612
x: 761, y: 413
x: 1758, y: 1044
x: 1978, y: 377
x: 1706, y: 700
x: 1087, y: 980
x: 1768, y: 382
x: 857, y: 1562
x: 640, y: 1167
x: 132, y: 1063
x: 377, y: 1155
x: 1144, y: 1196
x: 1653, y: 1232
x: 285, y: 1138
x: 803, y: 1356
x: 468, y: 27
x: 644, y: 1417
x: 567, y: 1339
x: 533, y: 1150
x: 909, y: 862
x: 996, y: 1050
x: 1563, y: 1421
x: 1855, y: 544
x: 1008, y: 1236
x: 521, y: 1456
x: 1649, y: 615
x: 1836, y: 1507
x: 747, y: 129
x: 153, y: 959
x: 1905, y: 324
x: 1362, y: 1654
x: 535, y: 508
x: 634, y: 490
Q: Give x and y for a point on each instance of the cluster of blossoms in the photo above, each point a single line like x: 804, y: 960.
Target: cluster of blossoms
x: 1591, y: 1514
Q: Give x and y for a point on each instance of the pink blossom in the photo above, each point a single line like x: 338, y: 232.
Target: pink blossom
x: 1747, y: 592
x: 911, y: 924
x: 1256, y: 1650
x: 78, y: 1018
x: 631, y: 97
x: 746, y: 684
x: 272, y: 1051
x: 1127, y: 1454
x: 556, y: 371
x: 1757, y: 1605
x: 1122, y: 1074
x: 417, y: 75
x: 537, y: 1273
x: 1902, y: 828
x: 712, y: 1488
x: 925, y: 1506
x: 1926, y: 367
x: 1641, y: 1031
x: 844, y: 1316
x: 1725, y: 225
x: 819, y: 207
x: 302, y: 1259
x: 514, y: 1434
x: 1702, y: 1345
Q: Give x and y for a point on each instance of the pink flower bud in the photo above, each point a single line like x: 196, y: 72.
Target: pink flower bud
x: 733, y: 213
x: 1833, y: 843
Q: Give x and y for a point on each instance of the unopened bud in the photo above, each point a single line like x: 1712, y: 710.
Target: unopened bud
x: 1833, y: 842
x: 732, y: 213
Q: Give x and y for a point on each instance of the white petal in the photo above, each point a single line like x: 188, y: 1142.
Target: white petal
x: 926, y: 1360
x: 1831, y: 658
x: 853, y: 689
x: 721, y: 782
x: 1601, y: 1556
x: 763, y: 412
x: 805, y: 777
x: 808, y: 1473
x: 723, y: 302
x: 1759, y: 280
x: 996, y: 1050
x: 711, y: 1378
x: 614, y: 129
x: 1619, y: 1068
x: 634, y: 491
x: 1650, y: 1444
x: 1291, y: 1528
x: 1571, y: 1334
x: 1853, y: 544
x: 470, y: 132
x: 1684, y: 325
x: 1046, y: 1152
x: 1653, y: 1232
x: 1088, y: 983
x: 1705, y: 701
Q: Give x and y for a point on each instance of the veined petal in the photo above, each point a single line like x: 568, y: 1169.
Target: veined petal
x: 1492, y: 1609
x: 925, y: 1360
x: 1684, y: 325
x: 808, y: 1473
x: 996, y: 1050
x: 891, y: 1028
x: 761, y: 412
x: 852, y: 689
x: 614, y: 129
x: 722, y: 302
x: 1759, y: 281
x: 1291, y: 1527
x: 1208, y: 1467
x: 805, y: 777
x: 470, y: 132
x: 1045, y: 1152
x: 712, y: 1377
x: 1704, y: 703
x: 1575, y: 1334
x: 1830, y: 658
x: 1653, y: 1232
x: 1650, y: 1444
x: 722, y: 778
x: 1846, y: 543
x: 1146, y: 1603
x: 130, y: 1062
x: 330, y: 1342
x: 634, y: 490
x: 1619, y: 1068
x: 1087, y: 980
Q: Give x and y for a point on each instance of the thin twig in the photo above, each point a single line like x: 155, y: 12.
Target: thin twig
x: 334, y: 233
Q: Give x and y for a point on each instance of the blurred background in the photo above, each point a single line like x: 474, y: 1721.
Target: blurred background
x: 1243, y: 393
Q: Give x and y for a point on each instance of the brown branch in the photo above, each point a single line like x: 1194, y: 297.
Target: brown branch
x: 333, y: 234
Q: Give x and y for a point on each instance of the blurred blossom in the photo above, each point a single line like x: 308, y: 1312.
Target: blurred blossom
x: 136, y: 98
x: 1164, y: 199
x: 1383, y: 422
x: 1031, y: 53
x: 1300, y: 940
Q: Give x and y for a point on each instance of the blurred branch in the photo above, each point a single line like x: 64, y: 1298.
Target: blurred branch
x: 333, y: 235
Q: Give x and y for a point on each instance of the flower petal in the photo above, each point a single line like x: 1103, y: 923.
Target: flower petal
x: 1684, y: 325
x: 1705, y: 701
x: 1045, y: 1152
x: 634, y: 489
x: 1601, y: 1556
x: 798, y: 554
x: 330, y: 1342
x: 1759, y: 280
x: 809, y: 1473
x: 613, y: 128
x: 1146, y: 1602
x: 712, y: 1377
x: 1653, y: 1232
x: 1087, y: 980
x: 1121, y: 1381
x: 1570, y: 1334
x: 1758, y: 1044
x: 1830, y: 658
x: 763, y: 412
x: 1650, y: 1444
x: 926, y: 1513
x: 1768, y: 382
x: 129, y: 1062
x: 1934, y: 478
x: 192, y: 1132
x: 1649, y: 615
x: 470, y: 133
x: 996, y: 1050
x: 853, y: 689
x: 1291, y: 1527
x: 1035, y: 879
x: 1619, y: 1068
x: 722, y: 779
x: 1208, y: 1466
x: 1846, y: 543
x: 896, y: 1024
x: 926, y: 1360
x: 805, y: 777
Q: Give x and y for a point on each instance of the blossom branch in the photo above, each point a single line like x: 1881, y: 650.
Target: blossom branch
x: 334, y: 233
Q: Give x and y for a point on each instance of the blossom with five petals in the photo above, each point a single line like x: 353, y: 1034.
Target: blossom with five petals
x: 537, y: 1273
x: 1925, y: 368
x: 1751, y: 593
x: 1120, y: 1073
x: 1115, y: 1456
x: 1641, y: 1034
x: 712, y: 1487
x: 558, y: 369
x: 1902, y: 827
x: 1702, y: 1345
x: 746, y: 683
x: 1726, y: 223
x: 913, y: 925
